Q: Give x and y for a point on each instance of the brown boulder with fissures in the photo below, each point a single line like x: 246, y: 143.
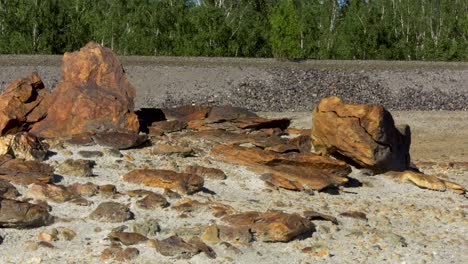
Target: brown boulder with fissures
x: 363, y: 134
x: 294, y: 171
x: 271, y: 226
x: 22, y: 104
x: 93, y: 95
x: 184, y: 183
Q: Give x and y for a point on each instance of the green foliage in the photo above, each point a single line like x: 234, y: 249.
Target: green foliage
x: 285, y: 31
x: 319, y: 29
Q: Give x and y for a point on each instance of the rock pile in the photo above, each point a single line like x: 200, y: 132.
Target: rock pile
x: 93, y: 104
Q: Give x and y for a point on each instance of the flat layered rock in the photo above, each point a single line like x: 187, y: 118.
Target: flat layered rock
x: 205, y: 172
x: 111, y: 212
x: 169, y: 126
x: 257, y: 123
x: 364, y: 134
x: 166, y: 149
x: 186, y: 113
x: 271, y: 226
x: 299, y: 171
x: 22, y: 104
x: 23, y: 172
x: 180, y: 182
x: 258, y: 139
x: 224, y: 113
x: 94, y: 95
x: 50, y: 192
x: 119, y: 140
x: 175, y: 246
x: 17, y: 214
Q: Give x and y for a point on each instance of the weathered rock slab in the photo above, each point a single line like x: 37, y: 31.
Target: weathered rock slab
x: 181, y: 182
x: 295, y: 171
x: 23, y: 172
x: 19, y: 214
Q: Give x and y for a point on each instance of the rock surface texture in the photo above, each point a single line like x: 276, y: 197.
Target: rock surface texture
x: 93, y: 95
x: 22, y: 104
x: 19, y: 214
x: 364, y: 134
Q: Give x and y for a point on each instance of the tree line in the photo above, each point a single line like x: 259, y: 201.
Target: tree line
x: 314, y: 29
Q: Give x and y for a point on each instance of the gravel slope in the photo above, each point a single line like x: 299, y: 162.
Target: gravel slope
x: 273, y: 85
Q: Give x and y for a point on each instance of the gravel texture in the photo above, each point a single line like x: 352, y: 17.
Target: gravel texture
x: 272, y: 85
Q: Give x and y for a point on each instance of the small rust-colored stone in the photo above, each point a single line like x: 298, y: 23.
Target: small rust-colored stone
x: 152, y: 201
x: 127, y: 254
x: 47, y: 236
x: 128, y: 238
x: 205, y: 172
x: 68, y: 234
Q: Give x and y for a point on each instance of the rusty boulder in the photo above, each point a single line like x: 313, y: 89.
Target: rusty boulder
x: 364, y: 135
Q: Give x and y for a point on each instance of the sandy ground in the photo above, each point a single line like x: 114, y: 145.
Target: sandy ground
x: 405, y: 224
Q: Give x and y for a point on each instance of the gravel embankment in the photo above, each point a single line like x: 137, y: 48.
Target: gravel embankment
x: 272, y: 85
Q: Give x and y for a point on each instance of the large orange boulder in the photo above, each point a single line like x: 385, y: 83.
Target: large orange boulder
x: 22, y: 104
x: 94, y: 95
x: 365, y: 135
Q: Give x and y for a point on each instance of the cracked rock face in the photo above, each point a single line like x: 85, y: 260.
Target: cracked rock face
x: 94, y: 95
x: 22, y: 104
x: 363, y: 134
